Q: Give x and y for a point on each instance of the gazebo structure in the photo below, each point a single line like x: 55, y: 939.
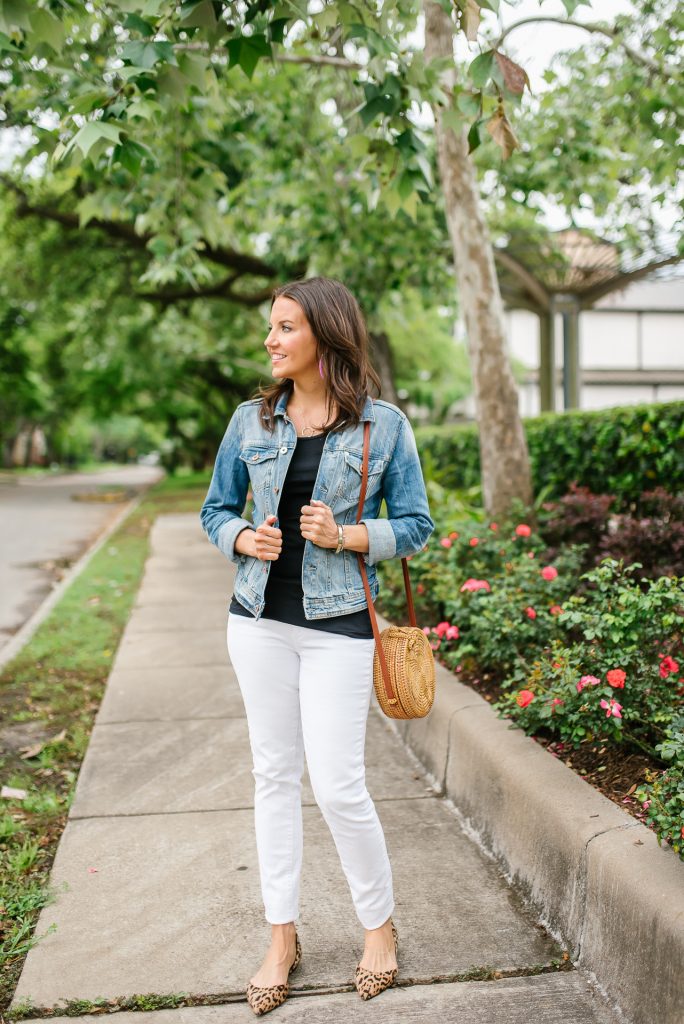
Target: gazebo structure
x: 565, y: 273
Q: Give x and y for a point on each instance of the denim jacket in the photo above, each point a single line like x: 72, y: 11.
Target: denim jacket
x: 249, y: 457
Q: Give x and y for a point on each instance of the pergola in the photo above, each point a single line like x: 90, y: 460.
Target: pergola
x: 566, y: 272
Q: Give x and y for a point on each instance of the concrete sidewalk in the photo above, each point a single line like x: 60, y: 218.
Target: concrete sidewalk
x: 157, y: 875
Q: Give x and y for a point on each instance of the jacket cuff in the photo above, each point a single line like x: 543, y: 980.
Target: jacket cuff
x: 382, y: 542
x: 227, y: 535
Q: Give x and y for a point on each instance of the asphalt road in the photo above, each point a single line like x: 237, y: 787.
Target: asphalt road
x: 45, y: 527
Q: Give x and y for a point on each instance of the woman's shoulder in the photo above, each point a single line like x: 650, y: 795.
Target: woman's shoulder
x: 388, y: 411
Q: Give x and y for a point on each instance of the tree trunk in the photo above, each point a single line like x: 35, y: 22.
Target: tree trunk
x: 383, y: 364
x: 503, y: 448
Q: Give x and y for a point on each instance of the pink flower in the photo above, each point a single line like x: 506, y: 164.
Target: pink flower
x: 530, y: 612
x: 668, y: 665
x: 587, y: 681
x: 445, y: 542
x: 427, y: 630
x: 523, y: 530
x: 453, y: 534
x: 555, y: 609
x: 474, y: 541
x: 557, y: 700
x: 493, y: 526
x: 613, y: 708
x: 549, y: 573
x: 530, y: 554
x: 434, y: 644
x: 472, y: 584
x: 452, y: 633
x: 524, y: 697
x: 441, y: 628
x: 616, y: 677
x: 420, y: 588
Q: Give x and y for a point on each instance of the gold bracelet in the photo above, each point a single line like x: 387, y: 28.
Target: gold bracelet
x: 340, y: 538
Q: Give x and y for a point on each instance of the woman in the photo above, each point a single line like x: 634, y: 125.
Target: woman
x: 299, y: 633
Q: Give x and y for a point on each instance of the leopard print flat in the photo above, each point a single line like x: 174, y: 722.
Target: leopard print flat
x: 263, y: 999
x: 372, y: 983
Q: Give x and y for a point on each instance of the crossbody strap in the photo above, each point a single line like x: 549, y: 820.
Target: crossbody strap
x: 389, y: 690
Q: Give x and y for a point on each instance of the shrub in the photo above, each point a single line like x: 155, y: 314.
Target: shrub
x: 620, y: 668
x: 663, y: 795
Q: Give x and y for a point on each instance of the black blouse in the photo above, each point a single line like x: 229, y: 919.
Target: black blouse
x: 284, y: 596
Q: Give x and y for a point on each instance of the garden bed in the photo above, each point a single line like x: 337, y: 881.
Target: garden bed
x: 614, y: 771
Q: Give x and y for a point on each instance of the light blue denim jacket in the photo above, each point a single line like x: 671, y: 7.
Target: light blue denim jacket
x: 250, y: 457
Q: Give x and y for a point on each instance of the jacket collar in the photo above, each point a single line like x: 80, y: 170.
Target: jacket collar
x: 367, y: 413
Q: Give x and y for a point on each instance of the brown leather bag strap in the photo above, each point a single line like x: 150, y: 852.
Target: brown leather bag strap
x: 391, y: 697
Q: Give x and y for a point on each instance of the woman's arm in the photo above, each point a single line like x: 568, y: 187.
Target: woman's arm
x: 221, y: 513
x: 408, y: 524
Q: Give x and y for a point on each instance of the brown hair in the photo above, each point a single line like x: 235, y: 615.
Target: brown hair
x: 339, y: 328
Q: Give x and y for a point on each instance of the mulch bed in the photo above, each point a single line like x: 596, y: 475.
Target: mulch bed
x: 614, y: 771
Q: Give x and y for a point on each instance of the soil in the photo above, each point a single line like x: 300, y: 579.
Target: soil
x: 615, y: 771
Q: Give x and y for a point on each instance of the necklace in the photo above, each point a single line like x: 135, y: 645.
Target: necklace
x: 305, y: 429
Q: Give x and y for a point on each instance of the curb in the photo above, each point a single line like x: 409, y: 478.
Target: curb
x: 598, y: 878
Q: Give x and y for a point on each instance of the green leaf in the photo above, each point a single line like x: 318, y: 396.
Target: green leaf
x: 138, y: 24
x: 93, y: 132
x: 198, y: 14
x: 572, y: 5
x: 194, y: 68
x: 48, y: 29
x: 474, y: 139
x: 88, y: 101
x: 247, y: 50
x: 14, y: 15
x: 481, y: 68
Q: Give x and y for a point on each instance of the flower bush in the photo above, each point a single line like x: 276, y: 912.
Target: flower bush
x: 663, y: 795
x: 578, y: 656
x: 617, y: 665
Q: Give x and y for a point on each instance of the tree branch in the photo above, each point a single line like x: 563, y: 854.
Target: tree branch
x: 595, y: 27
x: 285, y: 58
x: 225, y: 257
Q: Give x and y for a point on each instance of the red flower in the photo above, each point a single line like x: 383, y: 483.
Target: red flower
x: 549, y: 573
x: 530, y: 612
x: 474, y: 541
x: 453, y: 534
x: 523, y: 530
x: 445, y: 542
x: 441, y: 628
x: 616, y: 677
x: 555, y: 609
x: 493, y: 526
x: 452, y: 633
x: 420, y: 588
x: 524, y: 697
x: 472, y: 584
x: 668, y: 665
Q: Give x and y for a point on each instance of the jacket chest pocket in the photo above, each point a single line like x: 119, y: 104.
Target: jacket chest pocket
x: 349, y: 489
x: 261, y: 464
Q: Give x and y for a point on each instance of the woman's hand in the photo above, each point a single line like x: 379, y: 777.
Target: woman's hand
x: 268, y: 540
x: 318, y: 525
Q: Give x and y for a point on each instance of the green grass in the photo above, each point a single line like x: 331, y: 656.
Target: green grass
x: 53, y: 687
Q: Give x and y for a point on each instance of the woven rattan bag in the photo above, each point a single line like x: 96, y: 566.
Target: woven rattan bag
x: 403, y: 664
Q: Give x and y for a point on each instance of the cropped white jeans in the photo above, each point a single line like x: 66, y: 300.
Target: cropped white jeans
x: 308, y: 691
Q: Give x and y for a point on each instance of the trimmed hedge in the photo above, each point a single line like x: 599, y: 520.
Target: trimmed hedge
x: 622, y: 451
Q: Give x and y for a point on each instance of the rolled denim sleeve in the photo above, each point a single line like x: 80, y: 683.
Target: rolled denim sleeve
x: 221, y: 513
x: 408, y: 524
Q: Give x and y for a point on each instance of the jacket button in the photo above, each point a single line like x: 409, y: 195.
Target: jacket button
x: 254, y: 458
x: 283, y: 450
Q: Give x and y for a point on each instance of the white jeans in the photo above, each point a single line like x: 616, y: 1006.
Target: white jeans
x: 308, y: 691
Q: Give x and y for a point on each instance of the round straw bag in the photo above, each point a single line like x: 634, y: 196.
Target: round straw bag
x: 403, y: 665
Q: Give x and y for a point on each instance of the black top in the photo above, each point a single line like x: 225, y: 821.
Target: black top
x: 284, y: 596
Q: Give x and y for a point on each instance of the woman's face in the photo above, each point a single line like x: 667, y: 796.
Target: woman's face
x: 290, y: 342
